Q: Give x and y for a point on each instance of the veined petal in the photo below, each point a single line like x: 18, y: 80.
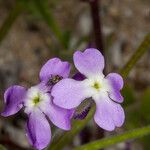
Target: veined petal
x: 108, y: 114
x: 68, y: 93
x: 38, y: 130
x: 59, y: 116
x: 89, y: 62
x: 116, y: 83
x: 13, y: 98
x: 54, y: 67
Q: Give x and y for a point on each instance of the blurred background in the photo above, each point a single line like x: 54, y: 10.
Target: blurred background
x: 33, y: 31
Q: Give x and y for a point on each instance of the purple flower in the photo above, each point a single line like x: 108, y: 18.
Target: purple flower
x: 38, y: 104
x: 105, y: 91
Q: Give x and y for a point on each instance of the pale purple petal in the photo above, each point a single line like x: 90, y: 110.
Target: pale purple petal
x: 42, y: 86
x: 54, y: 67
x: 59, y: 116
x: 116, y: 83
x: 38, y: 130
x: 68, y: 93
x: 108, y: 114
x: 13, y: 98
x: 89, y: 62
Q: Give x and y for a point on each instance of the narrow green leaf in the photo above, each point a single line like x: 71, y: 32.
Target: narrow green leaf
x: 50, y: 20
x: 137, y: 133
x: 144, y: 46
x: 11, y: 18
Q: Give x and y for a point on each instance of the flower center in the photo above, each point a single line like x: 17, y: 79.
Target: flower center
x: 96, y: 85
x: 36, y: 100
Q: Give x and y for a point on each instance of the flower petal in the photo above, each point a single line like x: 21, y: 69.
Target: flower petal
x: 68, y: 93
x: 59, y: 116
x: 79, y: 77
x: 38, y: 130
x: 89, y: 62
x: 116, y: 83
x: 13, y: 98
x: 54, y: 67
x: 108, y: 114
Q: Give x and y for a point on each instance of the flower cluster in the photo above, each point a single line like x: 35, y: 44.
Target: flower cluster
x: 56, y: 96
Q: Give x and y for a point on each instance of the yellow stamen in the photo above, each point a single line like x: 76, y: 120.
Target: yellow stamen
x: 36, y: 100
x: 96, y: 85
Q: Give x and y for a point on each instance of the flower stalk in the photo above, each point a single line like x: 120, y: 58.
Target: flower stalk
x: 144, y: 46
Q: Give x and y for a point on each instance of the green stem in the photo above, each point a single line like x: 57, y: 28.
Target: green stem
x: 49, y: 19
x: 14, y: 13
x: 137, y: 133
x: 144, y: 46
x: 68, y: 136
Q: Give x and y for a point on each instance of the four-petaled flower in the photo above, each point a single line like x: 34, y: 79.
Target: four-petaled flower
x: 56, y: 96
x: 38, y: 104
x: 105, y: 91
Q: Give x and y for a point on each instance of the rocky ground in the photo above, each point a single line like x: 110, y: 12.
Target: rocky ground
x: 30, y: 43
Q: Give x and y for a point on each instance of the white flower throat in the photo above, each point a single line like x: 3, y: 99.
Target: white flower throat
x: 95, y: 85
x: 35, y: 98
